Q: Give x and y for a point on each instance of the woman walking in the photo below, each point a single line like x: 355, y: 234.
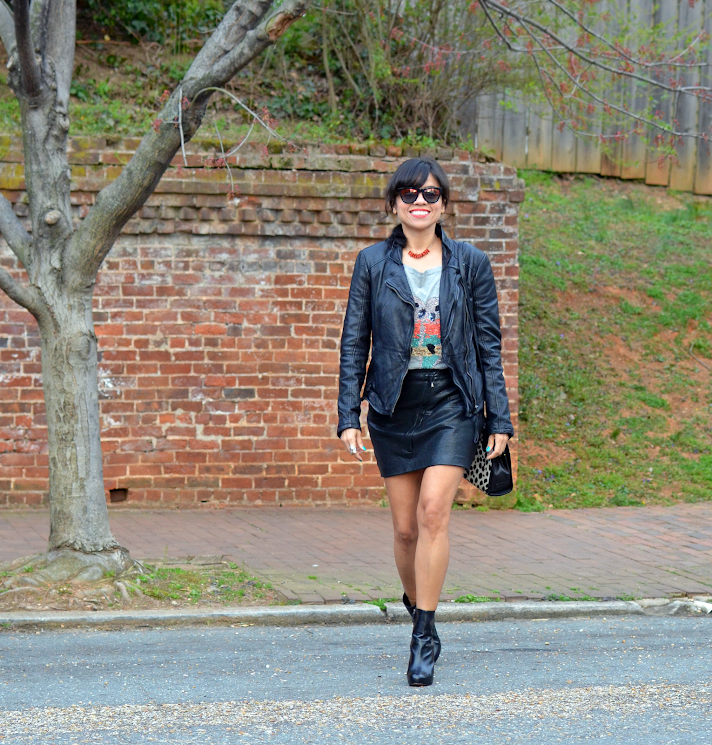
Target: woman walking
x: 417, y: 303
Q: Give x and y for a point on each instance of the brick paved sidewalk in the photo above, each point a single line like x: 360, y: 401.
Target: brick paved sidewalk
x: 318, y: 554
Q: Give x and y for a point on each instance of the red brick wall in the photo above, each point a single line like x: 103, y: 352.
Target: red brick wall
x: 219, y: 324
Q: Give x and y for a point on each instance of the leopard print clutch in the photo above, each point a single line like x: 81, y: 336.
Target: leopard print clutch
x: 493, y: 477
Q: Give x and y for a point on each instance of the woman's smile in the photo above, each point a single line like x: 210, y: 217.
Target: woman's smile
x: 420, y: 213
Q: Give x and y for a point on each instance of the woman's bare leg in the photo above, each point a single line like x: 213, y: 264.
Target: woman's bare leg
x: 438, y: 487
x: 403, y: 494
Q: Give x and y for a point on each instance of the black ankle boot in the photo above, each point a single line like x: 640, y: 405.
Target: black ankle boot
x: 436, y: 639
x: 422, y: 649
x: 410, y: 608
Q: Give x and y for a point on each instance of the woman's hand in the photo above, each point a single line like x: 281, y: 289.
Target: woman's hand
x: 354, y: 444
x: 495, y: 445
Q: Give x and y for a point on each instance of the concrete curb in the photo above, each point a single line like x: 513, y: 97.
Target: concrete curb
x: 396, y: 612
x: 299, y: 615
x: 291, y: 615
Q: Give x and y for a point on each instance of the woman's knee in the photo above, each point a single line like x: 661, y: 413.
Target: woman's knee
x: 406, y: 534
x: 433, y: 516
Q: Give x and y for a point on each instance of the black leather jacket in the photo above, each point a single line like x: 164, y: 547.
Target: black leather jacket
x: 380, y: 318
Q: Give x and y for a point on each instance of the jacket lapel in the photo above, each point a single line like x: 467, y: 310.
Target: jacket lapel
x: 396, y: 278
x: 449, y: 286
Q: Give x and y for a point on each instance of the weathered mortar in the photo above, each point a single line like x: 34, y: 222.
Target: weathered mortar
x: 219, y: 324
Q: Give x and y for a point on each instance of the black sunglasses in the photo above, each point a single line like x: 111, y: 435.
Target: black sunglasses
x: 409, y: 194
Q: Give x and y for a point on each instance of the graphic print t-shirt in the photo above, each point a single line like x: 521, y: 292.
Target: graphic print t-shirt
x: 425, y: 347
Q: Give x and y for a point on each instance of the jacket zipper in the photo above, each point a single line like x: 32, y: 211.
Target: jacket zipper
x: 410, y: 302
x: 412, y: 331
x: 471, y: 321
x: 447, y: 333
x: 400, y: 388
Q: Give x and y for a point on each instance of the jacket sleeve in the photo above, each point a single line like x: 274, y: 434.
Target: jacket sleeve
x: 489, y: 341
x: 355, y: 346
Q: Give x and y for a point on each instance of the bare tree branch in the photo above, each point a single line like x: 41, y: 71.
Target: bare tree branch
x: 498, y: 30
x: 29, y: 71
x: 7, y: 28
x: 242, y: 16
x: 619, y: 51
x: 21, y: 294
x: 116, y: 203
x: 527, y: 22
x: 60, y: 32
x: 38, y: 23
x: 527, y: 25
x: 16, y: 236
x: 600, y: 100
x: 254, y: 42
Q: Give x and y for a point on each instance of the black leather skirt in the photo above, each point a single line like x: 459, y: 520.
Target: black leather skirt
x: 428, y: 427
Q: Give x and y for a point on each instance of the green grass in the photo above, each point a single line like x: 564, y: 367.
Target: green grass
x: 98, y: 115
x: 616, y: 292
x: 381, y: 602
x: 475, y: 599
x: 224, y: 586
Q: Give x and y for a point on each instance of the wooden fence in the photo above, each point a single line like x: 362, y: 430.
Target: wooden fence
x: 527, y: 136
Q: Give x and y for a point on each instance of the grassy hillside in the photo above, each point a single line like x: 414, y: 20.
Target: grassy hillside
x: 616, y: 344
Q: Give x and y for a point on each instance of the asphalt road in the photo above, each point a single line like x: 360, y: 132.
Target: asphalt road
x: 640, y: 680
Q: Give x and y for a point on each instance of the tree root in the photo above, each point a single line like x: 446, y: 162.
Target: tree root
x: 135, y: 587
x: 67, y: 565
x: 20, y: 589
x: 75, y: 566
x: 121, y: 587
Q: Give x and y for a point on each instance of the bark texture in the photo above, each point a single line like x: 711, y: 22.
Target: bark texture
x: 78, y: 511
x: 62, y: 263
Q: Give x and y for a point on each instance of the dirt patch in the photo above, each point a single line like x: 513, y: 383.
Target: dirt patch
x: 626, y: 357
x: 546, y: 455
x: 622, y: 359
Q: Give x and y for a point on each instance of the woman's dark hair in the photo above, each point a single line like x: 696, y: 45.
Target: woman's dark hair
x: 415, y: 172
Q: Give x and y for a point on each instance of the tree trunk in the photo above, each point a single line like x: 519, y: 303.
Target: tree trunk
x: 62, y: 263
x: 80, y: 540
x: 79, y: 516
